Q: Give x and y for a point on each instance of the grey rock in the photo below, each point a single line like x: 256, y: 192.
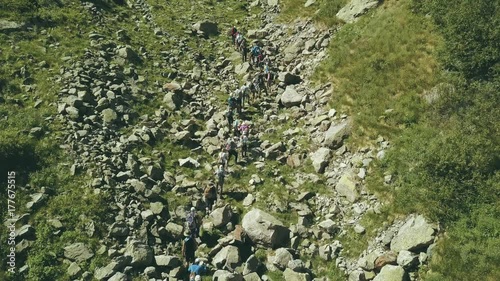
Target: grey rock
x: 167, y: 261
x: 206, y: 27
x: 346, y: 187
x: 356, y: 8
x: 309, y: 3
x: 127, y: 53
x: 157, y: 208
x: 281, y: 258
x: 118, y: 277
x: 272, y: 2
x: 291, y: 97
x: 289, y: 78
x: 173, y: 100
x: 391, y: 273
x: 78, y: 252
x: 189, y: 163
x: 251, y: 265
x: 73, y: 112
x: 223, y: 275
x: 141, y: 254
x: 174, y: 231
x: 109, y: 115
x: 8, y: 26
x: 415, y: 234
x: 228, y: 256
x: 74, y: 270
x: 241, y: 69
x: 320, y: 159
x: 106, y: 272
x: 407, y: 259
x: 357, y: 275
x: 249, y: 199
x: 329, y: 226
x: 264, y: 229
x: 252, y: 277
x: 297, y: 265
x: 25, y: 232
x: 118, y: 229
x: 325, y: 252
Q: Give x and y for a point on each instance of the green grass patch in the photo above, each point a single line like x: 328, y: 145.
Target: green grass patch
x: 380, y: 77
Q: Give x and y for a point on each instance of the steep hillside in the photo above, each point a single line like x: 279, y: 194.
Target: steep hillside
x: 370, y: 153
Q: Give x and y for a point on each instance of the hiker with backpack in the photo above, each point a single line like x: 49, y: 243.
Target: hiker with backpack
x: 209, y: 195
x: 237, y: 41
x: 231, y: 149
x: 222, y: 156
x: 197, y: 268
x: 193, y: 223
x: 244, y: 145
x: 236, y: 126
x: 244, y: 90
x: 255, y: 51
x: 230, y: 118
x: 233, y: 32
x: 244, y: 128
x: 232, y: 102
x: 189, y: 246
x: 244, y: 51
x: 239, y: 99
x: 221, y: 174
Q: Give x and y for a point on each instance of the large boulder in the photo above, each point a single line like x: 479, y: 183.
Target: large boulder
x: 356, y: 8
x: 142, y: 255
x: 289, y: 78
x: 173, y: 100
x: 264, y: 229
x: 320, y: 159
x: 78, y: 252
x: 168, y: 261
x: 291, y: 97
x: 242, y: 69
x: 347, y: 187
x: 415, y: 234
x: 291, y: 275
x: 228, y: 256
x: 281, y: 258
x: 224, y: 275
x: 336, y: 134
x: 206, y: 27
x: 128, y: 54
x: 272, y: 2
x: 7, y: 26
x: 391, y: 273
x: 221, y: 216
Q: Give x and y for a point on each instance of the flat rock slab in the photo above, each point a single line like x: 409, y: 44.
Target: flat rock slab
x: 415, y: 234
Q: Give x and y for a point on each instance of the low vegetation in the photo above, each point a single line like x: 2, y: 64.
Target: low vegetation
x: 420, y: 74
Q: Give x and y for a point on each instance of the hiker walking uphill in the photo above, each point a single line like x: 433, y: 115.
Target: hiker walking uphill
x: 221, y: 175
x: 230, y: 118
x: 231, y: 149
x: 244, y: 145
x: 223, y: 156
x: 193, y: 223
x: 233, y: 32
x: 188, y: 247
x: 209, y: 196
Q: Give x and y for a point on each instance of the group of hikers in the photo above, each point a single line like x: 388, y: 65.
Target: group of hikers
x: 237, y: 139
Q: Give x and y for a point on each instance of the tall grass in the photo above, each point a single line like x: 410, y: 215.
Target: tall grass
x: 380, y: 67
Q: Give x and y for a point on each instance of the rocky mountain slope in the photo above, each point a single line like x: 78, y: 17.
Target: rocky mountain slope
x: 143, y: 126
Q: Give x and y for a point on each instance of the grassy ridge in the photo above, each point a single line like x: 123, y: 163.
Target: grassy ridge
x: 445, y: 158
